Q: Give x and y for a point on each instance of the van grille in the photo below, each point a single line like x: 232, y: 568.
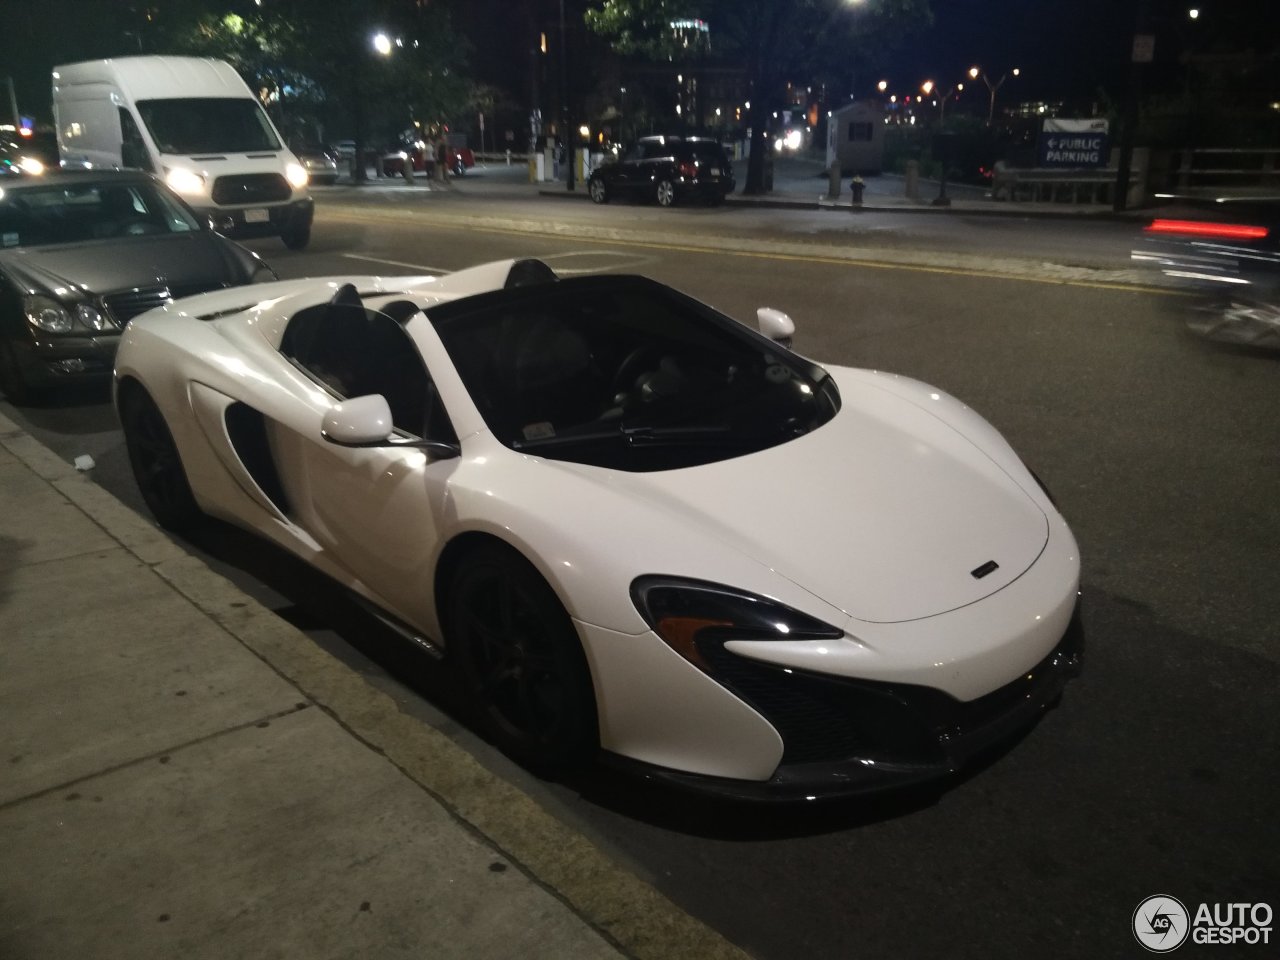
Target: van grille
x: 251, y: 188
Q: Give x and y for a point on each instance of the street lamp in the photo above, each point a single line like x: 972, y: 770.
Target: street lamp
x: 975, y: 73
x: 382, y: 43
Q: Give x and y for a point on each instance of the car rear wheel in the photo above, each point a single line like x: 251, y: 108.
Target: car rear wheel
x: 665, y: 193
x: 521, y: 660
x: 157, y: 467
x: 598, y: 192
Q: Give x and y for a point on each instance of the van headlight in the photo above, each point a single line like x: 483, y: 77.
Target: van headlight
x: 296, y: 175
x: 183, y: 180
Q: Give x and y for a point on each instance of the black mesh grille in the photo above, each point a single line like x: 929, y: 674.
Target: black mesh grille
x: 827, y: 719
x: 824, y: 719
x: 251, y: 188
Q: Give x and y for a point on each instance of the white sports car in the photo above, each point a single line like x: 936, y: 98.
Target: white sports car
x: 637, y: 525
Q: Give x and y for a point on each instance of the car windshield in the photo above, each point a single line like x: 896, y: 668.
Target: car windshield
x: 623, y: 372
x: 45, y: 213
x: 194, y: 125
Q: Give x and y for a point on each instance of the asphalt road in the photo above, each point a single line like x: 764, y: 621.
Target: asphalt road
x: 1156, y: 772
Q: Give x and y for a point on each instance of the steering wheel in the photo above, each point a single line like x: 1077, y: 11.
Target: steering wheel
x: 636, y: 362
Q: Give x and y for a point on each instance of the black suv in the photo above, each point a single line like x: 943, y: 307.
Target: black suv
x: 666, y: 169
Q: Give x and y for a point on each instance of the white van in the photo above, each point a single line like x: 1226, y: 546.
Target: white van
x: 195, y: 123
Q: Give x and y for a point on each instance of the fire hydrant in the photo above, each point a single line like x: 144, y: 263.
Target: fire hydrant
x: 856, y: 186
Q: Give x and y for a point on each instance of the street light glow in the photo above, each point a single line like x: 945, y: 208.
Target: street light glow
x: 882, y: 86
x: 1194, y: 13
x: 927, y: 87
x: 382, y: 43
x: 973, y: 73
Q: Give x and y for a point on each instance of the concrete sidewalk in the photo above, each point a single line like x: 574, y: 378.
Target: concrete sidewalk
x: 186, y: 775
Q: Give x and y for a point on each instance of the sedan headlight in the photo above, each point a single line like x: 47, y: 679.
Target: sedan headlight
x: 296, y: 175
x: 182, y: 180
x: 45, y: 313
x: 690, y: 614
x: 90, y: 317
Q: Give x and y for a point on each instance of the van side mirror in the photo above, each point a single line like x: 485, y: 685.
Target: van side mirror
x: 776, y: 325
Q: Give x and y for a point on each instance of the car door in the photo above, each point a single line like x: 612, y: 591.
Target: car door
x: 377, y: 511
x: 629, y: 174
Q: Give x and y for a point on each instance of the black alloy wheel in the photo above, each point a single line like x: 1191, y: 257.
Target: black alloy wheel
x: 157, y: 467
x: 597, y: 190
x: 665, y: 193
x: 521, y: 660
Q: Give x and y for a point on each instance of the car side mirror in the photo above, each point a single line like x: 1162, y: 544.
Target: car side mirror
x: 776, y: 325
x: 358, y: 422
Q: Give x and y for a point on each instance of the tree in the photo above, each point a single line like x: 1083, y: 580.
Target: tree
x: 319, y: 54
x: 770, y: 39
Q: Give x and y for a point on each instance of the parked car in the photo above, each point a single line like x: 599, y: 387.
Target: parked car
x: 319, y: 161
x: 633, y: 523
x: 422, y: 155
x: 19, y: 158
x: 81, y: 254
x: 666, y: 169
x: 1227, y: 252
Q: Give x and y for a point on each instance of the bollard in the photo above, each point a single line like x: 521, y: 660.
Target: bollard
x: 856, y: 186
x: 913, y: 180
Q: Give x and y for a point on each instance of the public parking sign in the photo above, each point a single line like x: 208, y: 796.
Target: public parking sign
x: 1073, y: 143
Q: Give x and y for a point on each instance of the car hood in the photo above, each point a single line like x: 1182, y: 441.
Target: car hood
x: 175, y: 260
x: 885, y: 512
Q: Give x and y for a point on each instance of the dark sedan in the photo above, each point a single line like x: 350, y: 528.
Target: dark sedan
x: 666, y: 169
x: 82, y: 253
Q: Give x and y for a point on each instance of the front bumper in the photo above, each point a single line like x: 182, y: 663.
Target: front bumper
x: 243, y: 223
x: 50, y: 361
x: 850, y: 737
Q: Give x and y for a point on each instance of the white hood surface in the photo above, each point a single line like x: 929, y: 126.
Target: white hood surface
x: 884, y: 512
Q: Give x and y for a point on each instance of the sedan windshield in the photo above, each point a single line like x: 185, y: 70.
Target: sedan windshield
x: 195, y: 125
x: 626, y: 373
x: 36, y: 215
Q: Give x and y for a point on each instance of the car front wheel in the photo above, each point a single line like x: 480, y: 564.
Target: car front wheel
x: 665, y: 193
x: 598, y: 192
x: 521, y: 660
x: 157, y: 467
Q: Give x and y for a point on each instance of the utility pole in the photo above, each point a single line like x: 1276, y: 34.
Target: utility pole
x: 1143, y: 53
x: 566, y: 112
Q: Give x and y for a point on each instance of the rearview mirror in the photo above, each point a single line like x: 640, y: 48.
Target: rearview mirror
x: 358, y: 422
x: 776, y: 325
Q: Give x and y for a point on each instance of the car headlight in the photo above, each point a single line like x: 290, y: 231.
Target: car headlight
x: 296, y: 175
x: 92, y: 318
x: 45, y: 313
x: 31, y: 165
x: 183, y: 180
x: 690, y: 614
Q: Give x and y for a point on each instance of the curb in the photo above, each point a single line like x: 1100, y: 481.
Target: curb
x: 626, y: 911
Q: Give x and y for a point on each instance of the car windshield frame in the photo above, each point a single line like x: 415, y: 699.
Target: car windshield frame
x: 624, y: 372
x: 39, y: 213
x: 190, y: 126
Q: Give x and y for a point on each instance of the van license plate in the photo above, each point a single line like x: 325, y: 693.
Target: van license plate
x: 256, y: 216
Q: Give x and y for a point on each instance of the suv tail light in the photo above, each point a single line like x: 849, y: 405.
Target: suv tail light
x: 688, y: 169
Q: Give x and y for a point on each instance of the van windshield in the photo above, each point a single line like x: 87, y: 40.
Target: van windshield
x: 193, y: 125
